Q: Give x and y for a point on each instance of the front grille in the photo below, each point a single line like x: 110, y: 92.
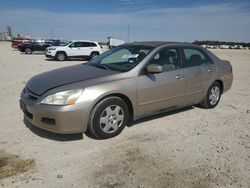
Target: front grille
x: 32, y: 98
x: 29, y: 95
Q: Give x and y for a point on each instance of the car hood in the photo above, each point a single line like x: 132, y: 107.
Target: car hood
x: 41, y: 83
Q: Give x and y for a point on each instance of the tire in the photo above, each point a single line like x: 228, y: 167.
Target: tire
x: 213, y: 96
x: 94, y: 55
x: 108, y: 118
x: 28, y: 51
x: 61, y: 56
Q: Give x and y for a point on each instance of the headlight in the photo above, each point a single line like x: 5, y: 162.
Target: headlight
x: 63, y: 98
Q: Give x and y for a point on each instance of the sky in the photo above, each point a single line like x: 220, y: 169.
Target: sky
x: 170, y: 20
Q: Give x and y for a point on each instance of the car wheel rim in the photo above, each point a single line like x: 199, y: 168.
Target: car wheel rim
x: 214, y: 95
x: 61, y: 57
x: 111, y: 118
x: 28, y: 51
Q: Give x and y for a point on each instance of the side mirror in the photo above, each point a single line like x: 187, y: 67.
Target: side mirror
x: 154, y: 69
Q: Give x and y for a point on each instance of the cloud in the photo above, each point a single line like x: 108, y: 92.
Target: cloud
x: 218, y: 22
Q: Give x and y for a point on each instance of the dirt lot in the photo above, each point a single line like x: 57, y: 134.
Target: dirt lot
x: 188, y: 148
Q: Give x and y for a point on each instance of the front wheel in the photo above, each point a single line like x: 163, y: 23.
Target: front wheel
x: 108, y: 118
x: 213, y: 96
x: 61, y: 56
x: 28, y: 51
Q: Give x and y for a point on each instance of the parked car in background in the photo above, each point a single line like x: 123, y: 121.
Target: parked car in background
x: 37, y: 45
x: 125, y: 83
x: 75, y: 49
x: 19, y: 41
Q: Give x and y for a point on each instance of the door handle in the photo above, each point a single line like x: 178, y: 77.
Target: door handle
x: 179, y: 77
x: 210, y: 70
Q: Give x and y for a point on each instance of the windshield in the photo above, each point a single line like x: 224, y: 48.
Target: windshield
x: 64, y: 43
x: 122, y: 58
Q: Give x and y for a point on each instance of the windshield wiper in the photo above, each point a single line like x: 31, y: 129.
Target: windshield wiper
x: 101, y: 66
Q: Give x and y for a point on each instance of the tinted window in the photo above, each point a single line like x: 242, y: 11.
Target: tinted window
x: 38, y: 43
x: 88, y: 44
x: 168, y: 58
x: 93, y: 44
x: 195, y: 57
x: 76, y: 45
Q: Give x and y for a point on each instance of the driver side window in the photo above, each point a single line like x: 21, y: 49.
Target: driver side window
x: 168, y: 58
x: 75, y: 45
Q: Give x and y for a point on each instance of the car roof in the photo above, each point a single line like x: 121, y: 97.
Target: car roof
x: 159, y: 43
x: 83, y: 41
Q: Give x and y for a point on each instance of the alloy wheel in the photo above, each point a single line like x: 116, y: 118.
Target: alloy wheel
x: 214, y: 95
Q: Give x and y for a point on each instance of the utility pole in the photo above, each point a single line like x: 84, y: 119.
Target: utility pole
x: 128, y: 32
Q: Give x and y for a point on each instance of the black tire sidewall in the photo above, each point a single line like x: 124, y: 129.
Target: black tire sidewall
x: 26, y: 51
x: 95, y: 128
x: 93, y: 55
x: 208, y: 104
x: 59, y: 53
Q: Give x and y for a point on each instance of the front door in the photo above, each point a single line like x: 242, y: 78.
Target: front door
x: 164, y: 90
x: 38, y: 46
x: 74, y: 49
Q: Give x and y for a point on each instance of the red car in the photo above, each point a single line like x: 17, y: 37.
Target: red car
x: 18, y: 41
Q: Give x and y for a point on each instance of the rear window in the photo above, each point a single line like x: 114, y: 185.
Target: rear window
x: 93, y: 44
x: 195, y: 57
x: 88, y: 44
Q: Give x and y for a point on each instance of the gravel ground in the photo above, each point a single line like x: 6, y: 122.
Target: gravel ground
x: 193, y: 147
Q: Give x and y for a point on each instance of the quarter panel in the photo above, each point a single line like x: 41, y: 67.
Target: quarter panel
x: 194, y: 84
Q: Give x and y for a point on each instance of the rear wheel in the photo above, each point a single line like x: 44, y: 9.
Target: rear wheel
x: 61, y: 56
x: 213, y: 96
x: 28, y: 51
x: 108, y: 118
x: 94, y: 55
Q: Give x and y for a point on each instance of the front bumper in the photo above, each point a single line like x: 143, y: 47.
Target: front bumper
x: 20, y: 49
x: 49, y: 56
x: 57, y: 119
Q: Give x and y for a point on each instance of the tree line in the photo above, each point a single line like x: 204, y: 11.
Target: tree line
x: 214, y: 43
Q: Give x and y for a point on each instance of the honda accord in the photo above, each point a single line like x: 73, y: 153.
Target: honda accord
x: 124, y: 84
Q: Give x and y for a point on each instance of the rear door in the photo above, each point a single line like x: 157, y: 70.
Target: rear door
x: 199, y: 69
x: 86, y: 49
x: 164, y: 90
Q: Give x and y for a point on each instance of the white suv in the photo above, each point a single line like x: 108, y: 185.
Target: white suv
x: 75, y: 49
